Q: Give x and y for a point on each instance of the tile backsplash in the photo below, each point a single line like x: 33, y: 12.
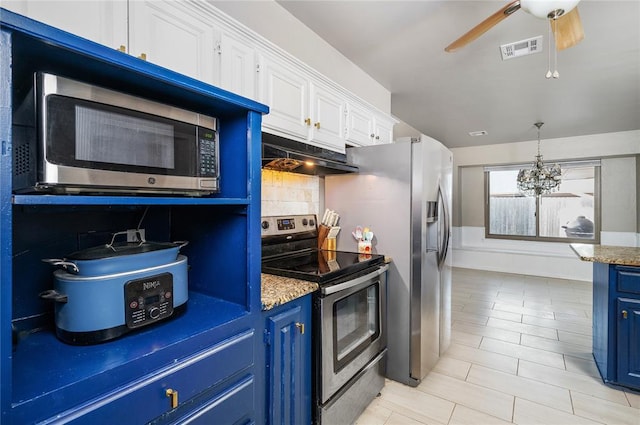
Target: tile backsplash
x: 289, y: 193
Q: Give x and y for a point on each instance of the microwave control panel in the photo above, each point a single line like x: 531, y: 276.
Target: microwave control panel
x: 208, y: 151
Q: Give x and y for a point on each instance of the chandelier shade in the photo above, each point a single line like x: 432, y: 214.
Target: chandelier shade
x: 539, y: 179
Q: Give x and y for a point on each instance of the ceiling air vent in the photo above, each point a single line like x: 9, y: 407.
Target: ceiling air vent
x: 521, y: 48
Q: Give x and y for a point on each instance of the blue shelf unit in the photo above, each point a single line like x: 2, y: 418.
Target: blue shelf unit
x: 209, y: 351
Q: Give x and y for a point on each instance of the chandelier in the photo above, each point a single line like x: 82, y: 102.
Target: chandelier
x: 539, y: 179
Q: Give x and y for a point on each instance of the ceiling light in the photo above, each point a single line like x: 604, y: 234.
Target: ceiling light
x: 545, y: 9
x: 539, y: 180
x: 478, y: 133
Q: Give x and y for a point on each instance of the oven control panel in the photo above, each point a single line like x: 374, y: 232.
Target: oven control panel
x: 287, y: 224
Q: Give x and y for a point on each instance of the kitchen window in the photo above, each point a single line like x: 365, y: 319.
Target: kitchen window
x: 570, y: 214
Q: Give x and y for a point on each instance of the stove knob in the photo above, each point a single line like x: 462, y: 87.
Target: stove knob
x: 312, y: 223
x: 265, y: 225
x: 154, y: 312
x: 305, y: 221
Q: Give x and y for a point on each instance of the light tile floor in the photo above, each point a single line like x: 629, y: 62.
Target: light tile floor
x: 520, y: 353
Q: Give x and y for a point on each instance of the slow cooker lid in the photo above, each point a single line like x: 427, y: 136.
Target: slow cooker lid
x: 119, y: 249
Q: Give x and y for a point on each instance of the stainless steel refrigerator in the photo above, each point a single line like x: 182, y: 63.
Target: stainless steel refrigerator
x: 403, y: 194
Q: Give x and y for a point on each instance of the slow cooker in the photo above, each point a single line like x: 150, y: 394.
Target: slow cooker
x: 105, y: 292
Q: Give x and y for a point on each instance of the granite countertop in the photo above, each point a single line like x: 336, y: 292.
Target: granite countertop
x: 278, y: 290
x: 622, y: 255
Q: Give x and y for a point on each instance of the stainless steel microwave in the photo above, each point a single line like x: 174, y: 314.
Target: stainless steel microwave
x: 74, y: 137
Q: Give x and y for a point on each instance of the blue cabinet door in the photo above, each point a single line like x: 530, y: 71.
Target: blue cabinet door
x: 629, y: 342
x: 288, y: 362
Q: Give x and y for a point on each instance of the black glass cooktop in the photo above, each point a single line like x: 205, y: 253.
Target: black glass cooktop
x: 321, y: 266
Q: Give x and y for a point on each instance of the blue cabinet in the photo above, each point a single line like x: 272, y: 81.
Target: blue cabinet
x: 288, y: 363
x: 188, y: 369
x: 616, y: 323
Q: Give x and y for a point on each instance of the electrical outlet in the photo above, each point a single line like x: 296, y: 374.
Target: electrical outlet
x: 135, y: 235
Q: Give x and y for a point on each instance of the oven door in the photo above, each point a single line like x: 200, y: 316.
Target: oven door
x: 353, y: 328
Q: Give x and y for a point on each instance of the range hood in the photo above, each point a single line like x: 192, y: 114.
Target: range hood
x: 282, y: 154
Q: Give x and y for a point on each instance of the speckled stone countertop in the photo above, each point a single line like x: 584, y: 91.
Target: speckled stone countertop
x: 622, y: 255
x: 277, y: 290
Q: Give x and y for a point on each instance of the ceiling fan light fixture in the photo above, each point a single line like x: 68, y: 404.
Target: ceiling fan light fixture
x: 548, y: 9
x: 555, y: 14
x: 562, y: 13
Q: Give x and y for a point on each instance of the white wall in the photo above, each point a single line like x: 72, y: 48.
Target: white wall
x: 618, y: 151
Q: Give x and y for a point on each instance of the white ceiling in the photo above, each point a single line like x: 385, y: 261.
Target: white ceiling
x: 446, y: 95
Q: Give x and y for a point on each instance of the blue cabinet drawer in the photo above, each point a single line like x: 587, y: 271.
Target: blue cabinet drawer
x: 232, y: 405
x: 628, y: 280
x: 146, y: 398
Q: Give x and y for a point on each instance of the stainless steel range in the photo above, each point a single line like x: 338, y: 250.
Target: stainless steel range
x: 349, y: 319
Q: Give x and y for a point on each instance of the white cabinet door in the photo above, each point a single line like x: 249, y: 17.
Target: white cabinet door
x: 367, y: 127
x: 286, y: 93
x: 238, y: 61
x: 383, y: 130
x: 102, y: 21
x: 173, y: 37
x: 327, y: 111
x: 359, y: 126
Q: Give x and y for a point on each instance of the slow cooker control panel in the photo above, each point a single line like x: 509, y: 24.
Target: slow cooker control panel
x: 148, y: 299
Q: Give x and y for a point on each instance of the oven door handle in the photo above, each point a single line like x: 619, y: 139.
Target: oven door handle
x: 355, y: 282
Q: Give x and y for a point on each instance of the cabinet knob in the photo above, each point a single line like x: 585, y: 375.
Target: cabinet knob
x: 143, y: 56
x: 173, y: 396
x: 373, y: 135
x: 307, y: 121
x: 300, y: 327
x: 377, y: 137
x: 624, y: 314
x: 122, y: 48
x: 317, y: 125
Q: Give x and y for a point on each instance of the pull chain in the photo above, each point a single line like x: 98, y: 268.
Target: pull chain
x: 555, y: 74
x: 549, y: 74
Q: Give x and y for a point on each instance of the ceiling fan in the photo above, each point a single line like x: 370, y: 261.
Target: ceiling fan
x: 562, y: 14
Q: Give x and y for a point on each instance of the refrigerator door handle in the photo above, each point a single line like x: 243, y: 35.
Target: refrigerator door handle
x: 444, y: 246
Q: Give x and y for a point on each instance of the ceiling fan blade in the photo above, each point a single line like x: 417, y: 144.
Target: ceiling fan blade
x: 484, y: 26
x: 567, y: 30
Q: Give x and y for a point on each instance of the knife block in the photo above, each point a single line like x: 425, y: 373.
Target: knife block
x: 327, y: 237
x: 329, y: 244
x: 323, y: 232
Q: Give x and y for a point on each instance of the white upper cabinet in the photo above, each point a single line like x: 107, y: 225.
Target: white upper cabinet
x: 327, y: 117
x: 238, y: 66
x: 366, y: 127
x: 301, y: 107
x: 102, y: 21
x: 383, y: 129
x: 359, y: 126
x: 169, y: 34
x: 287, y: 94
x: 173, y: 36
